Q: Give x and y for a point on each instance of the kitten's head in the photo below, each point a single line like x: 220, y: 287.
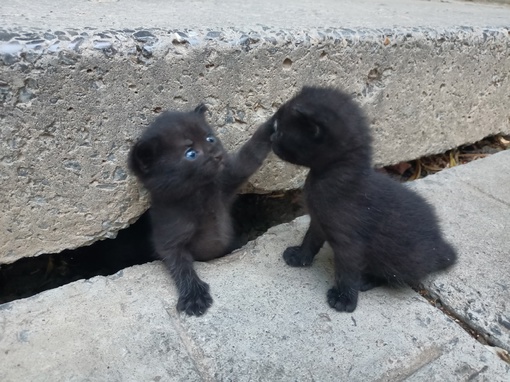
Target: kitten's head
x: 319, y: 127
x: 177, y: 154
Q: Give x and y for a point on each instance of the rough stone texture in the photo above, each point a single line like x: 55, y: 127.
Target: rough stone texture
x: 474, y: 203
x: 122, y: 14
x: 96, y: 332
x: 268, y: 322
x: 79, y: 82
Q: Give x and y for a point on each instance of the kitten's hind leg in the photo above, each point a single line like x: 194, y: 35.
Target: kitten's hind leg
x: 194, y: 297
x: 368, y: 282
x: 302, y: 256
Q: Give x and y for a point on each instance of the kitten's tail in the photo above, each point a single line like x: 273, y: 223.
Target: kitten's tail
x: 447, y: 256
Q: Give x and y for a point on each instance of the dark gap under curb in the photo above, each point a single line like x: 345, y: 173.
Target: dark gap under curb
x: 480, y: 336
x: 424, y: 166
x: 253, y: 215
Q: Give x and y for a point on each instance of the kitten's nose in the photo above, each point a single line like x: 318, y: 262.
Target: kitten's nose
x: 218, y: 157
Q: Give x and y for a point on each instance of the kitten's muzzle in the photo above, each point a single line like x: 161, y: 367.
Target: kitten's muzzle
x: 218, y: 161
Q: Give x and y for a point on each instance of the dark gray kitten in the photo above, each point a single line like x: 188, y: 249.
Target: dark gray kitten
x: 192, y: 182
x: 379, y: 230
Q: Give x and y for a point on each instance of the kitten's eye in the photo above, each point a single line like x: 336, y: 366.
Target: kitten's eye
x: 210, y: 139
x: 190, y: 154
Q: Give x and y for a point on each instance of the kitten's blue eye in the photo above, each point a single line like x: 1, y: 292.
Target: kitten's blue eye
x: 191, y: 154
x: 210, y: 139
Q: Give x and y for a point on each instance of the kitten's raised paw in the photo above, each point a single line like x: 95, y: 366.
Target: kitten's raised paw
x: 196, y: 301
x: 343, y: 300
x: 294, y: 257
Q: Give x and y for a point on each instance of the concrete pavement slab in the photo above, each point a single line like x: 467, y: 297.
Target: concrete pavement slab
x: 276, y: 325
x: 268, y: 322
x: 231, y: 13
x: 473, y: 202
x: 103, y: 329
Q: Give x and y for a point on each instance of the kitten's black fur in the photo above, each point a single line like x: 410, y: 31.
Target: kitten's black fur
x: 192, y: 182
x: 379, y: 230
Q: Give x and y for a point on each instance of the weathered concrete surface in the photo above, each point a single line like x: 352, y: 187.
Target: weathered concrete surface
x: 79, y: 82
x: 271, y: 322
x: 121, y: 14
x: 474, y: 201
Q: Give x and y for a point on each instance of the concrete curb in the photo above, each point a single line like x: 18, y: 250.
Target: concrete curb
x: 77, y: 86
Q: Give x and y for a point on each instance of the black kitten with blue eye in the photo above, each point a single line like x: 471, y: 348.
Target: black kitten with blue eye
x: 192, y: 182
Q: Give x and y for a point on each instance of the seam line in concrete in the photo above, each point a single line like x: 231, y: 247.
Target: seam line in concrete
x: 415, y: 365
x: 489, y: 195
x: 477, y: 373
x: 193, y: 351
x: 459, y: 321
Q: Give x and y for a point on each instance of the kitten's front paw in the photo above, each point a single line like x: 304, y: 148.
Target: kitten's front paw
x: 294, y: 257
x: 343, y: 300
x: 196, y: 301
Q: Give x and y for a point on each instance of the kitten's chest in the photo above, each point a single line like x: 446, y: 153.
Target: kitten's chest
x: 323, y: 197
x: 214, y: 232
x: 310, y: 191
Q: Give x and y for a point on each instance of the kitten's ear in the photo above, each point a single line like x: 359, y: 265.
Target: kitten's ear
x: 310, y: 118
x: 201, y: 109
x: 143, y: 155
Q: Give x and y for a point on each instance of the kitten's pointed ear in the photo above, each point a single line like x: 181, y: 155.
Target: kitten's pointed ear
x: 143, y: 155
x: 201, y: 109
x: 310, y: 118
